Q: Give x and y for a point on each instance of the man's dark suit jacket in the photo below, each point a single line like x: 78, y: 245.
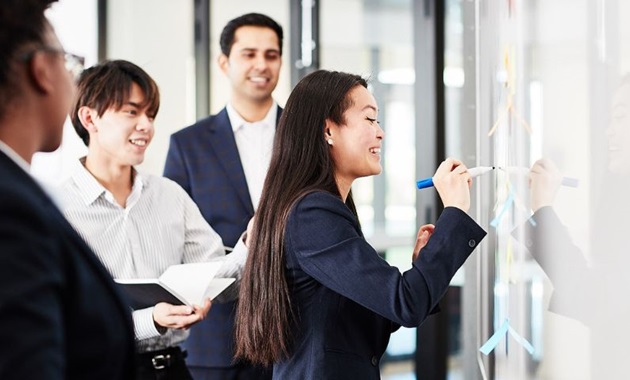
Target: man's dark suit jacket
x: 347, y: 299
x: 62, y: 317
x: 204, y: 160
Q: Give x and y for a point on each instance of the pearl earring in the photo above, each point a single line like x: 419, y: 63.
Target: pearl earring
x: 330, y: 141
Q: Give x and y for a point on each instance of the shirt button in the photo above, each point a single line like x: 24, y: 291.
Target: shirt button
x: 472, y: 243
x: 374, y: 361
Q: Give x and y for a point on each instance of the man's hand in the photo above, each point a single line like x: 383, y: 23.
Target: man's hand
x: 180, y: 316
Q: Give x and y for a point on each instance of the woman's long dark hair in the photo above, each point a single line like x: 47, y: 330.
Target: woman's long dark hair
x: 301, y: 163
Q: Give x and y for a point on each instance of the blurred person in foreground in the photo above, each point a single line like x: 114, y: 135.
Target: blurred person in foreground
x: 316, y: 300
x: 63, y: 316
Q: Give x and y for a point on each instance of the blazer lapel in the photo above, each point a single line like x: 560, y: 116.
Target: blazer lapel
x: 224, y: 144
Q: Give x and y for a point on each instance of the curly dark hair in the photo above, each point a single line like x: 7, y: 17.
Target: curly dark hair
x: 22, y: 23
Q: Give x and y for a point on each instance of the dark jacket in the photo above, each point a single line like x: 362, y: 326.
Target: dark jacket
x: 347, y: 299
x: 62, y: 316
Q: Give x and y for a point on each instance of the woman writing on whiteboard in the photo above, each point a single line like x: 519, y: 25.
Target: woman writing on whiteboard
x: 316, y: 300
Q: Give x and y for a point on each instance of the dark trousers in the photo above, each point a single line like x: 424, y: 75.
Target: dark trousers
x: 167, y: 364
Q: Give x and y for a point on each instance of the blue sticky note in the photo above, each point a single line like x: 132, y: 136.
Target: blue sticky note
x: 494, y: 340
x: 506, y: 206
x: 491, y: 343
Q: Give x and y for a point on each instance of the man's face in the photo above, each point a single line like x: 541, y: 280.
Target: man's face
x: 121, y: 137
x: 253, y: 65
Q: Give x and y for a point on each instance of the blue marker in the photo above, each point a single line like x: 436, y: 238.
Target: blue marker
x: 474, y: 172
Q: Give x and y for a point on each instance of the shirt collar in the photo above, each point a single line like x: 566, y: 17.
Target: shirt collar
x: 237, y: 121
x: 15, y: 157
x: 90, y: 189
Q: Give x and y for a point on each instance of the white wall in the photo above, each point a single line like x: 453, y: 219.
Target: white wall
x: 157, y: 35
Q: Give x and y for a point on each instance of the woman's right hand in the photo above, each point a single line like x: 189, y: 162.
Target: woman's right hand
x: 452, y: 182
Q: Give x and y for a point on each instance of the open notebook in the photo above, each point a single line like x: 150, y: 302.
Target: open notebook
x: 182, y: 284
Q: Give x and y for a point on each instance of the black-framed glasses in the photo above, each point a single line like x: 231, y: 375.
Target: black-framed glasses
x: 74, y: 63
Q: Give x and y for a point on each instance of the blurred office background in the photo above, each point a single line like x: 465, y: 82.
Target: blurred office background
x: 493, y: 82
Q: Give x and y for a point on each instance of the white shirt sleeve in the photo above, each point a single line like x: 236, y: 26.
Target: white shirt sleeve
x: 144, y: 325
x: 233, y: 265
x: 202, y: 243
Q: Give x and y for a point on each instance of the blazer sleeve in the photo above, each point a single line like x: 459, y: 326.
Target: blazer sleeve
x: 550, y: 244
x: 31, y: 299
x: 328, y: 245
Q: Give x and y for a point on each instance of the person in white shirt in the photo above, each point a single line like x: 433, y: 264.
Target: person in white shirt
x: 137, y: 224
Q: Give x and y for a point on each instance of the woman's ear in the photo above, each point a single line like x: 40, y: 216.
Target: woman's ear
x: 87, y: 116
x: 328, y: 131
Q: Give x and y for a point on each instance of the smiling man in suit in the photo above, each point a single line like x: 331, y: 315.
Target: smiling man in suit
x: 222, y: 161
x: 63, y: 317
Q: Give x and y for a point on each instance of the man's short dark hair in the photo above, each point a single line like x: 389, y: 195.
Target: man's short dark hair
x: 249, y: 19
x: 107, y: 85
x: 22, y: 22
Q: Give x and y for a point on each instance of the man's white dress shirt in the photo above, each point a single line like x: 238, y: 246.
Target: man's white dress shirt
x: 159, y: 226
x: 255, y: 143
